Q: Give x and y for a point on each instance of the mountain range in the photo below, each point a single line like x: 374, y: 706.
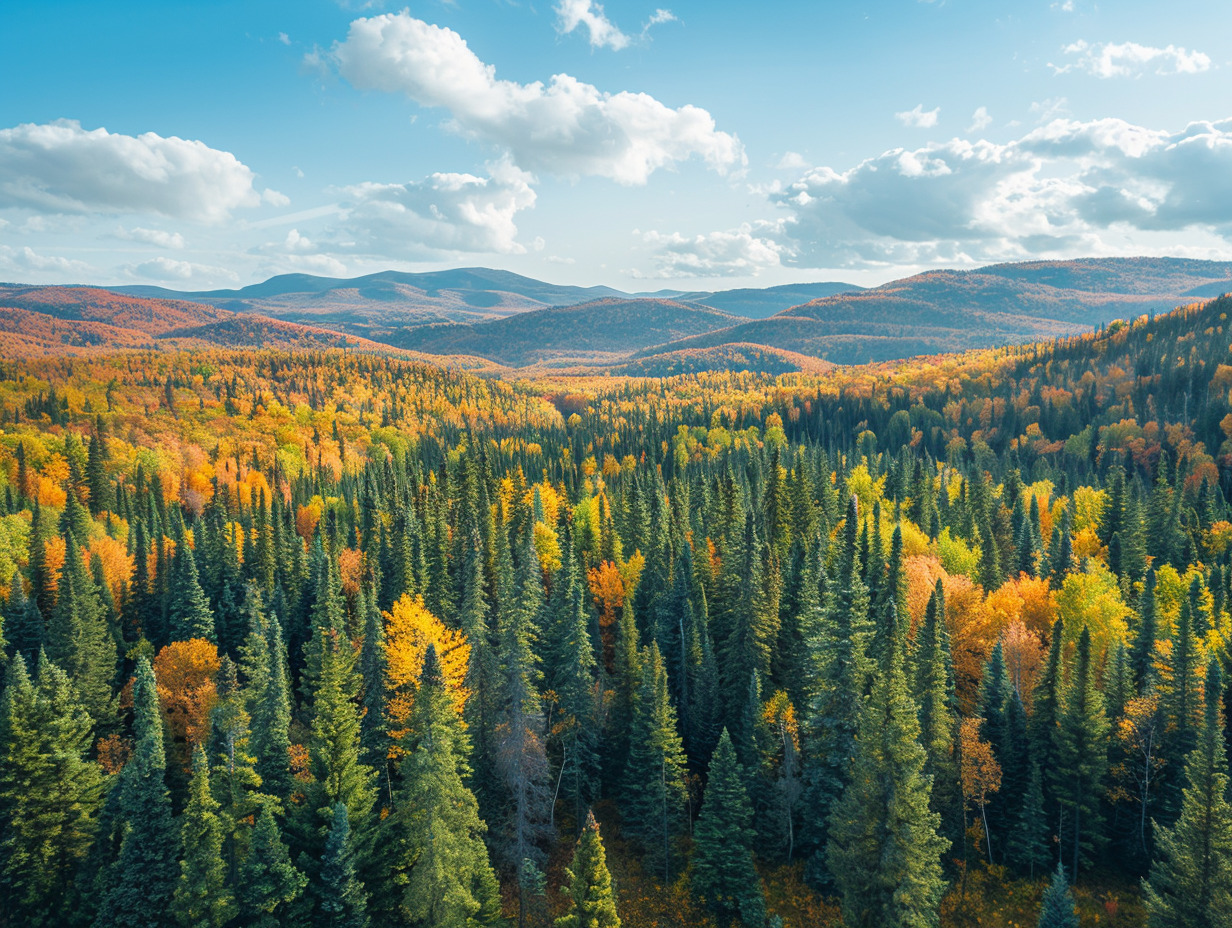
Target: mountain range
x: 484, y: 318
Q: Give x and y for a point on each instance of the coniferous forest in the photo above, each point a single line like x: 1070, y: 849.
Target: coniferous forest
x: 341, y: 639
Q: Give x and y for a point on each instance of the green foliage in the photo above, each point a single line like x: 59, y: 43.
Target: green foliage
x: 722, y: 867
x: 1057, y: 909
x: 591, y: 896
x: 202, y: 898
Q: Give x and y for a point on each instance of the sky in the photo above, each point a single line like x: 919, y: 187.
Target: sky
x: 693, y: 145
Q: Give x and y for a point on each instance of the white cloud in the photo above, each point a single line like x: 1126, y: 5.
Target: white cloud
x: 980, y: 120
x: 60, y: 167
x: 573, y: 13
x: 742, y: 252
x: 444, y: 213
x: 1129, y: 59
x: 169, y: 269
x: 26, y: 259
x: 159, y: 237
x: 1050, y: 109
x: 274, y: 198
x: 284, y: 38
x: 565, y: 127
x: 1065, y: 187
x: 919, y: 118
x: 792, y: 161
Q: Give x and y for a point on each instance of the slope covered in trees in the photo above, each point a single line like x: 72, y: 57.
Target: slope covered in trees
x: 326, y: 638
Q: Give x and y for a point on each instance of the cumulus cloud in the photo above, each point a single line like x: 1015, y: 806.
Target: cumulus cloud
x: 443, y: 213
x: 60, y: 167
x: 159, y: 237
x: 980, y: 120
x: 565, y: 127
x: 1129, y: 59
x: 602, y: 32
x: 1058, y: 188
x: 742, y: 252
x: 27, y: 260
x: 169, y: 269
x: 919, y: 118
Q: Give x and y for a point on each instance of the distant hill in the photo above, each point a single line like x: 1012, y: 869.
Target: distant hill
x: 727, y: 357
x: 601, y: 332
x: 758, y: 304
x: 947, y: 310
x: 50, y: 321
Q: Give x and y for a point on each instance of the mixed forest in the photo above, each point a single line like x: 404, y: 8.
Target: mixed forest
x: 335, y: 638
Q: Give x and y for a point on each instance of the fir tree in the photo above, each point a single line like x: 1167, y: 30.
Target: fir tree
x: 341, y: 899
x: 1082, y: 756
x: 1190, y: 885
x: 189, y: 613
x: 1028, y: 847
x: 50, y: 794
x: 884, y: 851
x: 654, y: 791
x: 269, y: 883
x: 441, y: 861
x: 723, y: 871
x: 591, y: 900
x: 144, y: 875
x: 1057, y: 909
x: 834, y: 713
x: 202, y: 897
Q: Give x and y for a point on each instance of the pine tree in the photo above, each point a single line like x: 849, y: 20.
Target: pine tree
x: 144, y: 875
x: 1082, y: 756
x: 341, y: 899
x: 723, y: 871
x: 202, y: 897
x: 441, y: 860
x: 268, y: 699
x: 1028, y: 847
x: 269, y: 883
x: 591, y: 897
x: 937, y: 699
x: 654, y: 791
x: 50, y: 794
x: 1190, y: 885
x: 23, y: 623
x: 1057, y: 909
x: 884, y: 851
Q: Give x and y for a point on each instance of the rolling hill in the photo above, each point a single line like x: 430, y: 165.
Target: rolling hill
x: 599, y: 332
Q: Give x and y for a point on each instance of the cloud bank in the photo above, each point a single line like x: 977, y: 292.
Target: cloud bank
x: 1129, y: 59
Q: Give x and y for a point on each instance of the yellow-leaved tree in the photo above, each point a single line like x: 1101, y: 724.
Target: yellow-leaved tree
x: 409, y: 629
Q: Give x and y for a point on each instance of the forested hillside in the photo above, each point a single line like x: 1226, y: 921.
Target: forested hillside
x: 335, y: 638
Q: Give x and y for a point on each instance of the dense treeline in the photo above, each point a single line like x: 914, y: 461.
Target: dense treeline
x: 342, y: 640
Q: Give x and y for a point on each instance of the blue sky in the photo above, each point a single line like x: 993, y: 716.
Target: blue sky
x: 687, y: 145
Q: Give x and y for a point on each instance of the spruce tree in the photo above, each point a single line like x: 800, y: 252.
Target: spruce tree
x: 1028, y: 847
x: 190, y: 615
x: 833, y: 716
x: 269, y: 884
x: 50, y: 794
x: 23, y: 623
x: 436, y: 835
x: 884, y: 852
x: 144, y: 876
x: 1057, y: 909
x: 268, y: 700
x: 1190, y: 885
x: 1082, y: 757
x: 723, y: 873
x: 78, y: 640
x: 654, y: 793
x: 341, y: 899
x: 202, y: 898
x: 591, y: 898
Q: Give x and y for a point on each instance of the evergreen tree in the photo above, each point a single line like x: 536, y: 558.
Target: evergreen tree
x: 50, y: 794
x: 654, y: 792
x: 144, y: 876
x: 268, y: 700
x: 202, y: 897
x: 269, y: 884
x: 834, y: 712
x: 723, y: 871
x: 1057, y: 909
x: 441, y: 861
x: 1082, y: 756
x: 1028, y: 847
x: 1190, y: 885
x: 189, y: 613
x: 884, y: 851
x: 591, y: 897
x: 78, y: 640
x: 937, y: 699
x: 23, y: 623
x: 341, y: 899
